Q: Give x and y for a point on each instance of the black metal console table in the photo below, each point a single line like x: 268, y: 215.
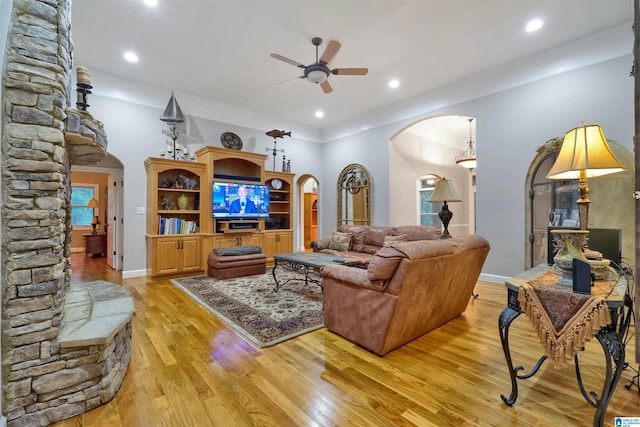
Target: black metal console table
x: 611, y: 338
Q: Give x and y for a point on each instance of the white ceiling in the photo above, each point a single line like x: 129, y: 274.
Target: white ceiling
x: 219, y: 50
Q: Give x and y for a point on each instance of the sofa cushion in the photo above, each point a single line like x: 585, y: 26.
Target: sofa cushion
x: 418, y: 232
x: 384, y: 263
x: 374, y: 239
x: 357, y: 232
x: 392, y: 240
x: 340, y: 241
x: 362, y: 257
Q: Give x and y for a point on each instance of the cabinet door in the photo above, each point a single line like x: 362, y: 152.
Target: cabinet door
x: 167, y: 257
x: 284, y: 243
x: 233, y: 240
x: 223, y: 241
x: 250, y: 240
x: 277, y: 243
x: 269, y: 245
x: 190, y: 253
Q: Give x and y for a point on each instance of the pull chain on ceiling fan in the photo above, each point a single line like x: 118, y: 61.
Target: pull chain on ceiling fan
x: 319, y: 71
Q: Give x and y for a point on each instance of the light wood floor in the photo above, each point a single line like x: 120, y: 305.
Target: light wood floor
x: 188, y: 369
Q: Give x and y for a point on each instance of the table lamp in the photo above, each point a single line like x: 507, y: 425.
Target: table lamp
x: 584, y: 153
x: 444, y: 192
x: 93, y: 204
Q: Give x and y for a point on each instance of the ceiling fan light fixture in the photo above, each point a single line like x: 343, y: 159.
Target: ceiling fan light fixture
x: 316, y: 76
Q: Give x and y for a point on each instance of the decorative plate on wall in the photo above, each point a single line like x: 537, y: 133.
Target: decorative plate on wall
x: 231, y: 140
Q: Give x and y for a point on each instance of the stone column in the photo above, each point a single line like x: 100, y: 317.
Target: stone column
x: 35, y: 215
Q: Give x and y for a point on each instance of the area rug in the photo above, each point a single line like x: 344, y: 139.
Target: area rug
x: 250, y: 307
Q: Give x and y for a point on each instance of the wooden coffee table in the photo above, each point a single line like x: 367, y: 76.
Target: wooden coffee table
x: 307, y: 263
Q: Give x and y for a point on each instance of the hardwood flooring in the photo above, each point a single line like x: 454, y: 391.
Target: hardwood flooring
x: 188, y: 369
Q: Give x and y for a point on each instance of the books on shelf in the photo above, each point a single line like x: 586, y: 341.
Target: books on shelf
x: 177, y: 226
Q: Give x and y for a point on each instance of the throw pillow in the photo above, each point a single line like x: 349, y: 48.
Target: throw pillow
x: 391, y: 240
x: 340, y: 241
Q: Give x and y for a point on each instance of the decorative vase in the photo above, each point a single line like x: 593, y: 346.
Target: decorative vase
x: 569, y: 244
x: 183, y: 201
x: 271, y: 223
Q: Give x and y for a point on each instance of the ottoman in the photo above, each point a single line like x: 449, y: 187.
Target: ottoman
x: 223, y: 266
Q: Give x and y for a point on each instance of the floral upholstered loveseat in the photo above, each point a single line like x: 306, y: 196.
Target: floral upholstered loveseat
x: 363, y: 241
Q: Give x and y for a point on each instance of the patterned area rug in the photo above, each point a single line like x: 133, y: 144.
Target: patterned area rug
x: 250, y: 307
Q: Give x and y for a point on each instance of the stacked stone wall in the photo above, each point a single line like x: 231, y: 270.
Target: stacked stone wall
x: 42, y: 382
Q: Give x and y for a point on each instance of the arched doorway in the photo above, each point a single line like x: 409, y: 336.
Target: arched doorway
x: 308, y: 211
x: 431, y: 145
x: 109, y: 174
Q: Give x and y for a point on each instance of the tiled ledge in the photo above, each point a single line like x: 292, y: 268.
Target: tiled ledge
x: 94, y: 313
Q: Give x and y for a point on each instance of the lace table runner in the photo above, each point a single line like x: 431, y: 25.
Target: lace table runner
x: 564, y: 320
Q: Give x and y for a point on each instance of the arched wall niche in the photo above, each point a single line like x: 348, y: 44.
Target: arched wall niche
x: 611, y: 203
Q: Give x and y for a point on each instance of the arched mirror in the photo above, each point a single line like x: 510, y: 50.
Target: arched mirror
x: 354, y: 196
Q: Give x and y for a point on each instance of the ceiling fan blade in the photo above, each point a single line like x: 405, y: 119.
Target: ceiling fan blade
x: 326, y: 87
x: 350, y: 71
x: 291, y: 79
x: 330, y: 51
x: 287, y: 60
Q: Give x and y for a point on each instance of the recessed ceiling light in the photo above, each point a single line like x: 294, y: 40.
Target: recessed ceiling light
x: 319, y: 114
x: 130, y: 56
x: 534, y: 25
x: 394, y: 83
x: 151, y: 3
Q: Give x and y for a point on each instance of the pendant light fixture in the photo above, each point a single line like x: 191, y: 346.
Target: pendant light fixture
x: 468, y: 158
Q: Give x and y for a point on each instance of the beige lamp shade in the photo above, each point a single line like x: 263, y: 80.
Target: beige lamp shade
x: 444, y: 192
x: 584, y: 149
x: 93, y: 203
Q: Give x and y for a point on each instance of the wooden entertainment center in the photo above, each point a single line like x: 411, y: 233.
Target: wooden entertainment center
x: 181, y: 231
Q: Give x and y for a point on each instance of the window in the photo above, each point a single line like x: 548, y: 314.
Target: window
x: 427, y: 211
x: 81, y: 215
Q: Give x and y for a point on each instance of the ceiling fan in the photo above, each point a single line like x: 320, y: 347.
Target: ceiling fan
x: 319, y: 71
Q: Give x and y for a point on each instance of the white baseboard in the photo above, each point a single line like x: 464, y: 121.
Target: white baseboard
x: 493, y: 278
x: 76, y: 250
x: 133, y: 273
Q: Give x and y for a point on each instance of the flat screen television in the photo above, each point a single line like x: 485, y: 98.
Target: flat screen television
x: 231, y: 200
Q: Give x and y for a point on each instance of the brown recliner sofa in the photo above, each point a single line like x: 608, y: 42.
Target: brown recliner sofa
x: 367, y: 240
x: 406, y: 291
